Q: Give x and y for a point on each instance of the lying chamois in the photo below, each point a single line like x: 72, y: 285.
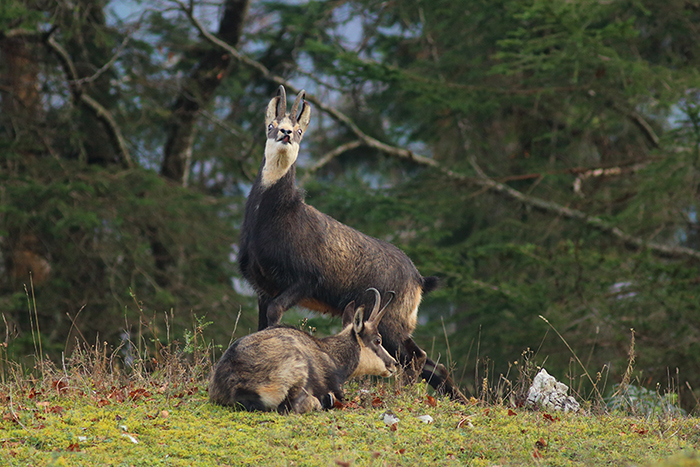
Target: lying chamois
x: 293, y: 254
x: 288, y: 370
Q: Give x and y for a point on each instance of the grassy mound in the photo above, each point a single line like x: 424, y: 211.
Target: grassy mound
x: 87, y: 412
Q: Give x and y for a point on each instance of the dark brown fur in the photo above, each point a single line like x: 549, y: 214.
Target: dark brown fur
x: 294, y: 254
x: 288, y: 370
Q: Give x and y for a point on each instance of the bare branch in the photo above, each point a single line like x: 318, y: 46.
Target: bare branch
x: 100, y: 112
x: 482, y: 181
x: 641, y: 123
x: 330, y: 155
x: 106, y: 66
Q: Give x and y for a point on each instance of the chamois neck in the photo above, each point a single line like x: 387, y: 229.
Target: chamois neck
x: 279, y: 159
x: 344, y: 349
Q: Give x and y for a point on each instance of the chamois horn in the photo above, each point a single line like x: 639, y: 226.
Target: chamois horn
x: 282, y: 102
x: 377, y: 314
x: 295, y: 107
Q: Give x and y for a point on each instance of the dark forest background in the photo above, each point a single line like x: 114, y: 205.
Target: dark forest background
x: 541, y: 157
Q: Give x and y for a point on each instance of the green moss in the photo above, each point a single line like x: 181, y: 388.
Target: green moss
x: 77, y: 429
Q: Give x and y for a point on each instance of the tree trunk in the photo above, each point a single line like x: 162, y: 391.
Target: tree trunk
x: 198, y: 92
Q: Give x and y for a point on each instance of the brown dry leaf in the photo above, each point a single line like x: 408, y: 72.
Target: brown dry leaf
x: 537, y: 454
x: 103, y: 402
x: 60, y: 386
x: 512, y: 412
x: 430, y: 400
x: 540, y: 444
x: 376, y: 402
x: 342, y: 463
x: 10, y: 417
x: 546, y: 416
x: 74, y: 447
x: 465, y: 423
x: 394, y: 427
x: 55, y: 409
x: 402, y: 451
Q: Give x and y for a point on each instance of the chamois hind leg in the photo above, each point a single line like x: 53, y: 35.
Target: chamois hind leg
x: 301, y: 401
x: 439, y: 378
x: 275, y: 307
x: 415, y: 359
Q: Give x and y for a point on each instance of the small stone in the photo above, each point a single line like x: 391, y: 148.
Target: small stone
x: 548, y: 393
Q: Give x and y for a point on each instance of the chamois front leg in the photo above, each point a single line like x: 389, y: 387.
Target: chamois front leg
x: 263, y: 302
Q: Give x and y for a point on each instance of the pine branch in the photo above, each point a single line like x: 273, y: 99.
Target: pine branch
x: 482, y: 181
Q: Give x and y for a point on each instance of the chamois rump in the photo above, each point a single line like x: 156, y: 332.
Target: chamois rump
x: 293, y: 254
x: 288, y: 370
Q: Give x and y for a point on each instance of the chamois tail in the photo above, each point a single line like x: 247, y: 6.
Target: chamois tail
x: 430, y: 283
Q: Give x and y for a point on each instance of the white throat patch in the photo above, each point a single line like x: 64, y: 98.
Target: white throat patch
x: 279, y: 157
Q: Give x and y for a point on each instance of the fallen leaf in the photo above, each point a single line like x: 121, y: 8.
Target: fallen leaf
x: 537, y: 454
x: 103, y: 402
x: 465, y: 423
x: 640, y: 431
x: 394, y: 427
x: 426, y: 419
x: 402, y: 450
x: 430, y: 400
x: 390, y: 419
x: 60, y: 386
x: 131, y: 438
x: 546, y: 416
x: 512, y: 412
x: 342, y: 463
x: 164, y: 414
x: 73, y: 447
x: 376, y: 402
x: 540, y: 444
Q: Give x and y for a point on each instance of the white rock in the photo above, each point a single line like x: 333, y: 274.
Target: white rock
x: 548, y: 393
x: 426, y: 419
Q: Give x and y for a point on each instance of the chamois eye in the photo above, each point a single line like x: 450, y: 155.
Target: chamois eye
x: 378, y: 341
x: 269, y: 127
x: 299, y: 132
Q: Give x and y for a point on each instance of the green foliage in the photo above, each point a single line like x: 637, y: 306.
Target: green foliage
x: 643, y: 402
x: 541, y: 96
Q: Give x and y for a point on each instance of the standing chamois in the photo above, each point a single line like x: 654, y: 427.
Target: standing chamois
x: 288, y: 370
x: 294, y: 254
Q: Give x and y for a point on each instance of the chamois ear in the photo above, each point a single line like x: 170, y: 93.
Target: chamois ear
x: 305, y: 116
x: 349, y: 313
x: 271, y: 113
x: 359, y: 320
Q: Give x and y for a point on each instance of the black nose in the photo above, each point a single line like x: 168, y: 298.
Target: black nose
x: 285, y: 132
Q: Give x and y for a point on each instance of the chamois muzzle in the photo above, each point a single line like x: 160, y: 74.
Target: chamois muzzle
x: 285, y: 136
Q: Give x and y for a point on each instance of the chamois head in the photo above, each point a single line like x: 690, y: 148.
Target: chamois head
x: 374, y: 359
x: 284, y: 133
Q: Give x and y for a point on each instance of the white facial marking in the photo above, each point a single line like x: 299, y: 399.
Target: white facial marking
x: 370, y: 364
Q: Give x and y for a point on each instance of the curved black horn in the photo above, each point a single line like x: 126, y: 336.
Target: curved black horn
x: 295, y: 107
x: 282, y: 103
x: 377, y: 303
